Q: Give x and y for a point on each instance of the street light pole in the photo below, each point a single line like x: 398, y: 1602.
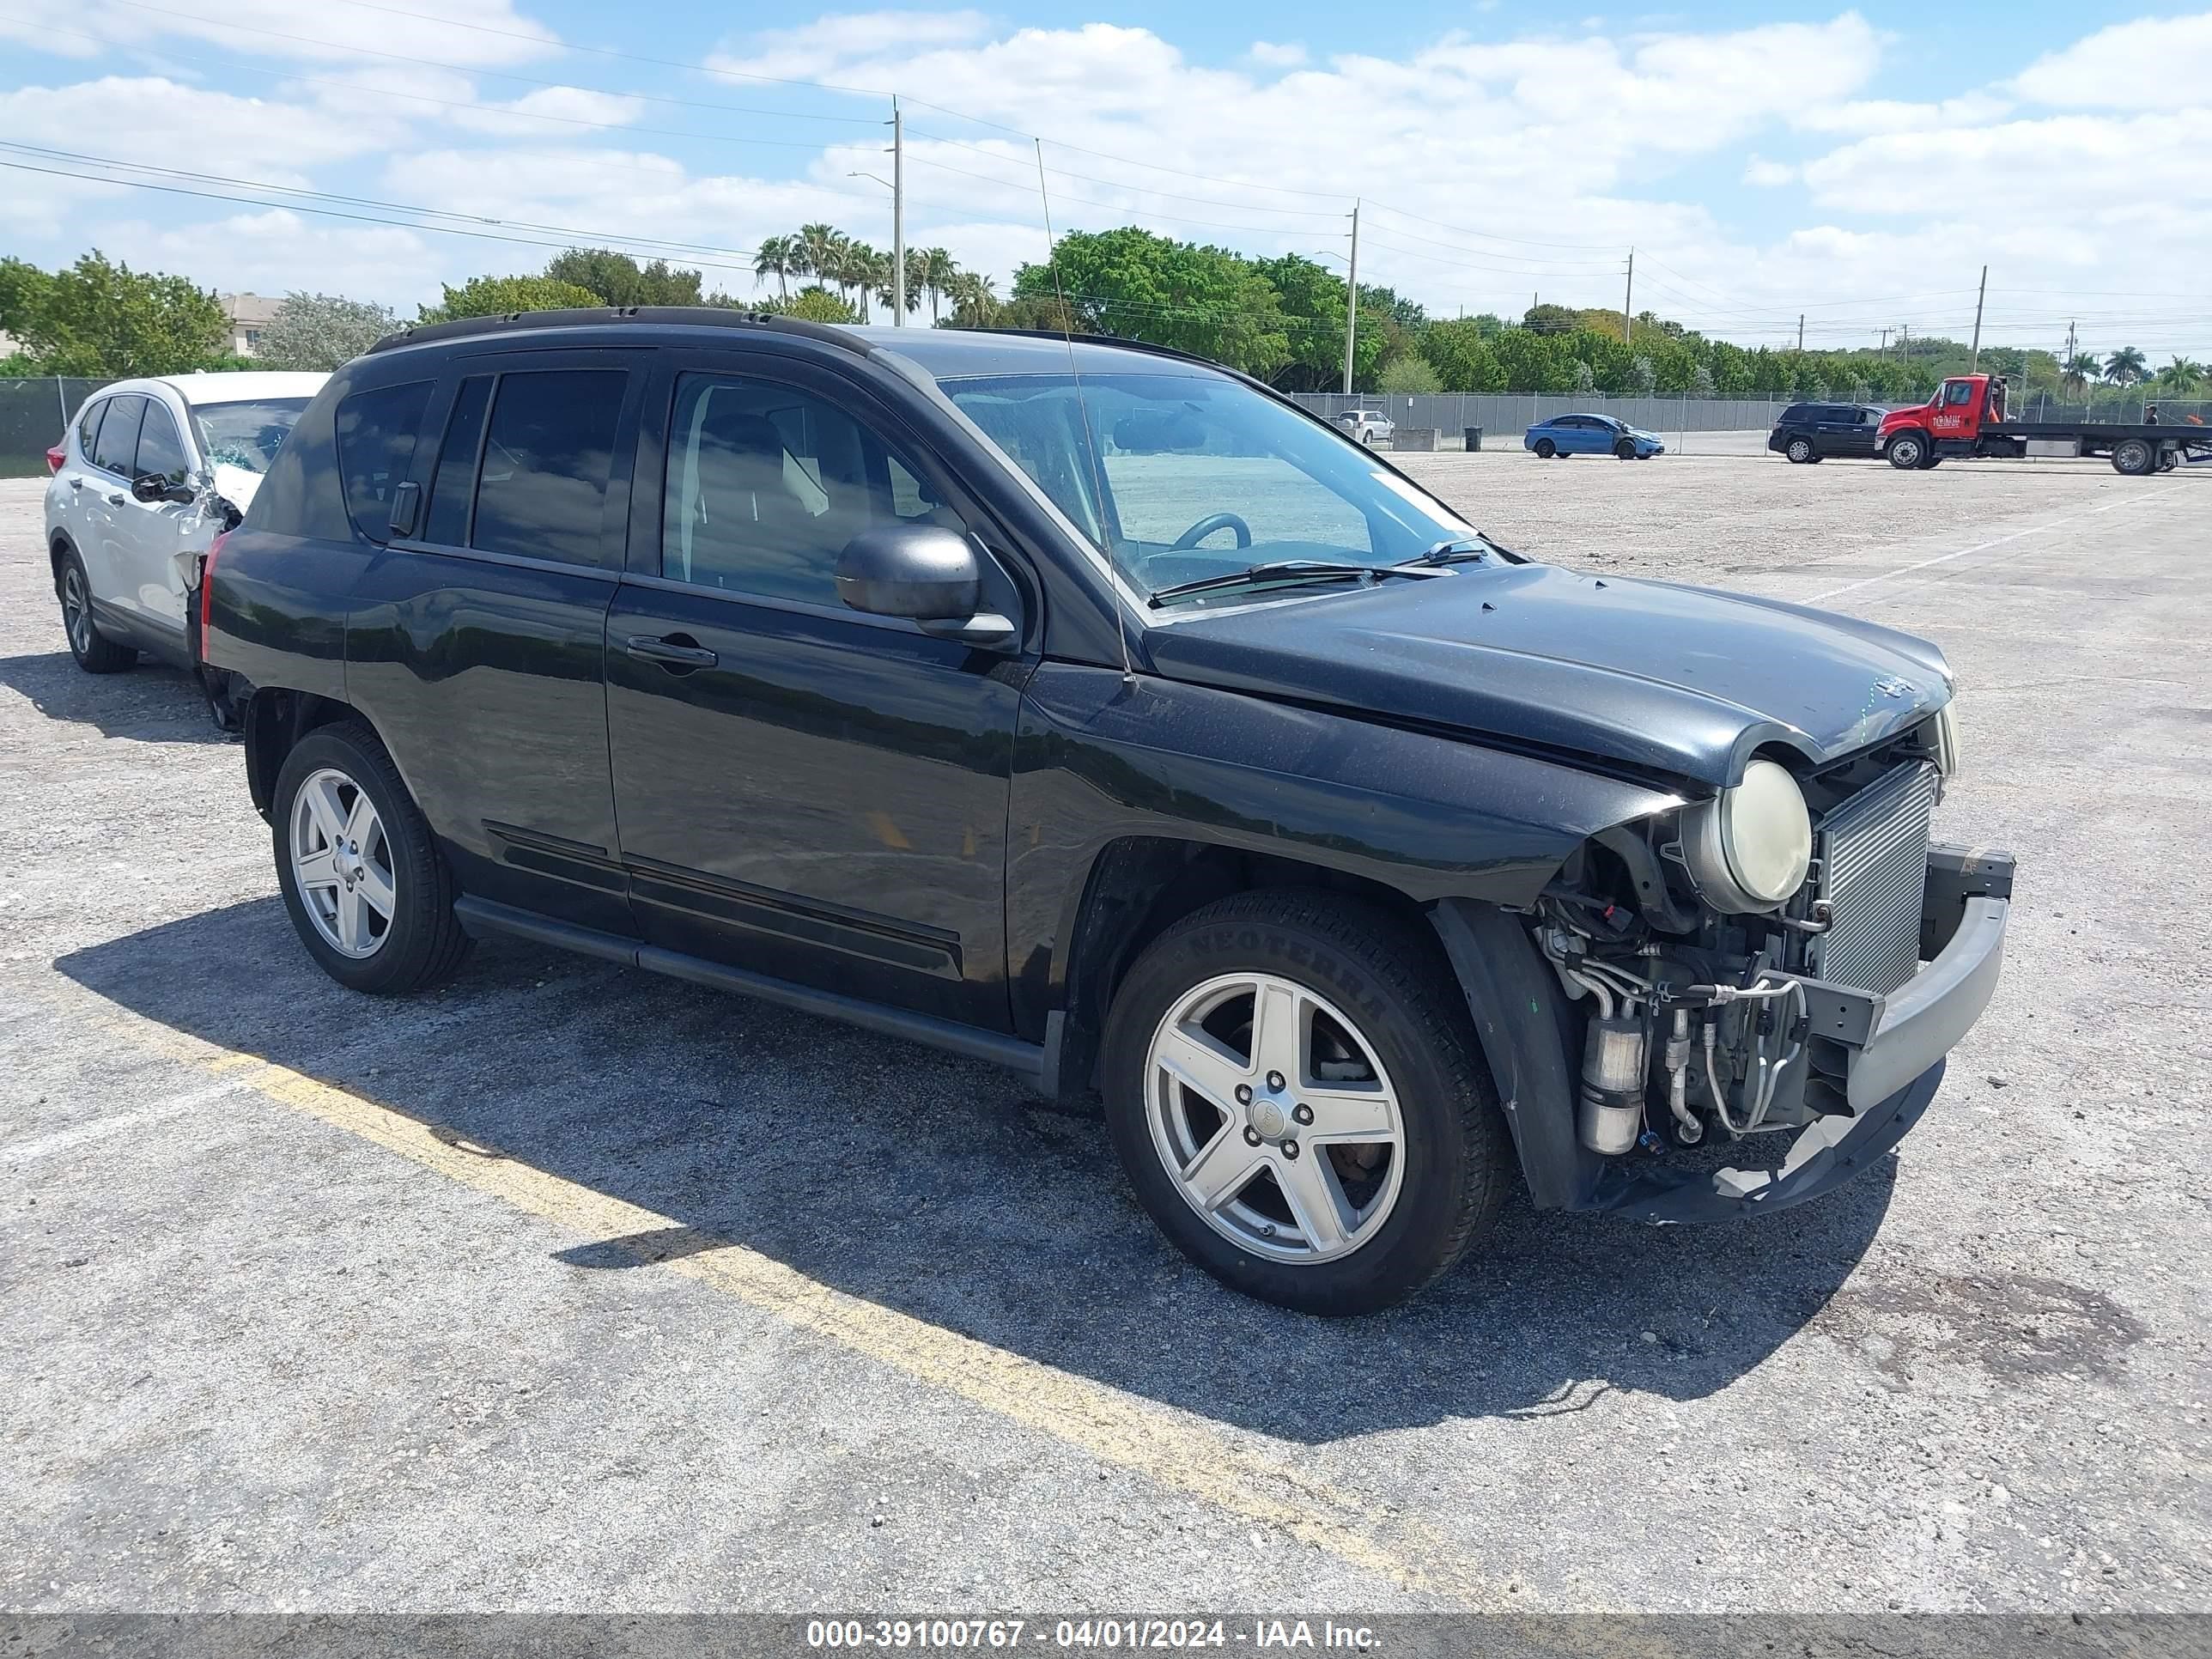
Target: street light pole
x: 898, y: 216
x: 1352, y: 299
x: 1975, y: 361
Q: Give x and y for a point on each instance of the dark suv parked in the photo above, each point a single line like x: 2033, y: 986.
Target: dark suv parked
x: 1811, y: 432
x: 1092, y: 710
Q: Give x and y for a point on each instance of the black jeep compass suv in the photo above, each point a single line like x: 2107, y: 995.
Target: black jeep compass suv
x: 1090, y: 710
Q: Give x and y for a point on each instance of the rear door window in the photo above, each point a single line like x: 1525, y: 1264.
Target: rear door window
x: 117, y: 447
x: 548, y: 458
x: 87, y: 425
x: 453, y: 490
x: 161, y: 449
x: 376, y: 435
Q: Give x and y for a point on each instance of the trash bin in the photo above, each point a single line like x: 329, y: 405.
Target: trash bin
x: 1473, y: 437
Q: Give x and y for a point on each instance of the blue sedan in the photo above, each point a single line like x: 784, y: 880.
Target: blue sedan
x: 1592, y: 435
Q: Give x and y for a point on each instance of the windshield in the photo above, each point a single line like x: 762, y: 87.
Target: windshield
x: 246, y: 434
x: 1184, y: 477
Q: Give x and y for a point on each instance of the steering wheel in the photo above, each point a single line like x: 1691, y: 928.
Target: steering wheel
x: 1212, y: 522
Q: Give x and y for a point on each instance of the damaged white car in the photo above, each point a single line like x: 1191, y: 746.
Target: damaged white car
x: 149, y: 472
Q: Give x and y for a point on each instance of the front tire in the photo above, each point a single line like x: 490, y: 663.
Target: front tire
x: 1295, y: 1092
x: 1908, y: 451
x: 1800, y: 451
x: 1623, y: 449
x: 362, y: 881
x: 94, y: 652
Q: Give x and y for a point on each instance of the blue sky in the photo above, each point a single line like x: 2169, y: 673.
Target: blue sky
x: 1856, y: 164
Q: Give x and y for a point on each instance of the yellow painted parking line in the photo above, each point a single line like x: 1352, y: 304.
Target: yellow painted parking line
x: 1167, y: 1447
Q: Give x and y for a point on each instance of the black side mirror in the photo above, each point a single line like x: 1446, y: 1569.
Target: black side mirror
x: 925, y: 572
x: 154, y: 487
x: 920, y: 571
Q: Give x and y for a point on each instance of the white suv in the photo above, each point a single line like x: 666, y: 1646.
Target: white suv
x: 1367, y: 425
x: 149, y: 473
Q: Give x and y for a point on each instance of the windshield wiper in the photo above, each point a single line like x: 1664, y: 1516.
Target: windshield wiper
x: 1453, y: 549
x: 1317, y: 570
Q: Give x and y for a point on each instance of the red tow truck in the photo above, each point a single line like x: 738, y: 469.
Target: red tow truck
x: 1967, y: 417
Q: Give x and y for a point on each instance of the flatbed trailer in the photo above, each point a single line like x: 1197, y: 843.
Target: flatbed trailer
x: 1956, y: 423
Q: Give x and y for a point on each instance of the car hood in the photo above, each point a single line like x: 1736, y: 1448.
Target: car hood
x: 1681, y: 683
x: 235, y: 484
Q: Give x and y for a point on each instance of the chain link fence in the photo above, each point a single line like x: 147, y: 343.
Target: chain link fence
x: 35, y: 412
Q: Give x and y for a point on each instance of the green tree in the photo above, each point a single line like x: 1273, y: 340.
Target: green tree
x: 497, y: 296
x: 1407, y: 373
x: 102, y: 319
x: 818, y: 251
x: 813, y: 304
x: 937, y: 272
x: 2181, y: 376
x: 778, y: 258
x: 1461, y: 357
x: 1642, y: 377
x: 1585, y: 378
x: 1701, y: 382
x: 619, y: 280
x: 320, y: 331
x: 1203, y: 299
x: 1311, y: 299
x: 973, y: 304
x: 2126, y: 366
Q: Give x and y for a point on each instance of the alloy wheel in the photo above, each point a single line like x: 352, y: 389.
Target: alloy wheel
x: 342, y: 863
x: 76, y: 610
x: 1274, y: 1118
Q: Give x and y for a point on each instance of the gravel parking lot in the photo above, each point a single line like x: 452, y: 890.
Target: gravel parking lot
x: 570, y: 1288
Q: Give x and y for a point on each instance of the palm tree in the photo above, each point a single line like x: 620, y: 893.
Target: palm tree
x: 778, y: 258
x: 938, y: 271
x: 2126, y: 366
x: 862, y: 270
x: 2079, y: 370
x: 2181, y: 376
x: 974, y: 305
x: 818, y: 249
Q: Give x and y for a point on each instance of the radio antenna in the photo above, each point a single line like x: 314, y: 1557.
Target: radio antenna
x: 1082, y: 413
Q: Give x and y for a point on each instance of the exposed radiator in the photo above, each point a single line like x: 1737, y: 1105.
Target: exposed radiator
x: 1873, y: 855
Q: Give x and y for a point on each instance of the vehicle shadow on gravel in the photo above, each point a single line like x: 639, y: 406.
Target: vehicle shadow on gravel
x: 939, y: 1188
x: 150, y: 703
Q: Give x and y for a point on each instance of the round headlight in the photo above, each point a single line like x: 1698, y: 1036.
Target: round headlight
x: 1749, y: 847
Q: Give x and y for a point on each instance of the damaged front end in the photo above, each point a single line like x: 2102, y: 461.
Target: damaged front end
x: 1792, y: 956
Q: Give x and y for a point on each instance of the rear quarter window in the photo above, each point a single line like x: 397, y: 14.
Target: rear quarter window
x: 376, y: 432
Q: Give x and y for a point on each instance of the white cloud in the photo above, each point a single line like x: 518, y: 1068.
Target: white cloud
x: 2155, y: 63
x: 1864, y: 116
x: 1271, y: 55
x: 277, y: 252
x: 152, y: 118
x: 553, y: 112
x: 812, y: 51
x: 467, y: 32
x: 1767, y: 175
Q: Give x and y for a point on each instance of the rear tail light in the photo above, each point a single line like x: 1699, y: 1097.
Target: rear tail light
x: 207, y: 590
x: 55, y: 455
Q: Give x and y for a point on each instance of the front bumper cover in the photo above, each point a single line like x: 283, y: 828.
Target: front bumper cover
x: 1893, y: 1052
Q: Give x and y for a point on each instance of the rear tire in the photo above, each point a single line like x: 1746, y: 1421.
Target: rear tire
x: 1546, y: 449
x: 2134, y: 456
x: 1375, y: 1031
x: 1800, y: 451
x: 94, y: 651
x: 369, y: 829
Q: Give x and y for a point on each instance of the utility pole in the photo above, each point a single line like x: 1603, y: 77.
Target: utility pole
x: 1885, y: 343
x: 1801, y: 334
x: 1905, y: 349
x: 1352, y: 299
x: 898, y: 216
x: 1975, y: 361
x: 1628, y: 304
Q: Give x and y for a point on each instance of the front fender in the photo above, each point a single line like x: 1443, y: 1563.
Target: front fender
x: 1099, y: 757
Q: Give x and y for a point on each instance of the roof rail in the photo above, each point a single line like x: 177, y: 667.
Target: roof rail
x: 601, y: 316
